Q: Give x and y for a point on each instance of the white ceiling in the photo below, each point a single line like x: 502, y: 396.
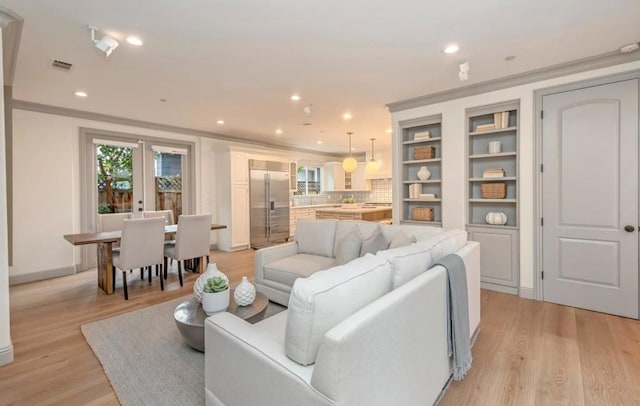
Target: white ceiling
x: 240, y: 60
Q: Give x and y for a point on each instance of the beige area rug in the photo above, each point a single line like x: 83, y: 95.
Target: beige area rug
x: 145, y: 358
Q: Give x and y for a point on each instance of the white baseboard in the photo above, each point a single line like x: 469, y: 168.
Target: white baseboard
x: 6, y: 355
x: 41, y: 275
x: 526, y: 293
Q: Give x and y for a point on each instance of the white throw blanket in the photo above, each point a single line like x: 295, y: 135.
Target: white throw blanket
x: 457, y: 315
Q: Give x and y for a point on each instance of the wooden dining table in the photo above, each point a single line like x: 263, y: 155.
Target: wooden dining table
x: 105, y: 241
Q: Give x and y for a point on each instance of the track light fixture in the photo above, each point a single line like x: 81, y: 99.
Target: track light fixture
x: 106, y: 44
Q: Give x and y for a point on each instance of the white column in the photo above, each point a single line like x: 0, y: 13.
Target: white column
x: 6, y: 347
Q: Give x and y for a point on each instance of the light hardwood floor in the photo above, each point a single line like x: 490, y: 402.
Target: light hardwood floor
x: 527, y: 352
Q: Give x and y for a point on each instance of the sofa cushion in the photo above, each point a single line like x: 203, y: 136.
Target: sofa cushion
x: 316, y: 237
x: 348, y: 247
x: 401, y: 239
x: 326, y: 298
x: 373, y: 244
x: 287, y: 270
x: 410, y: 261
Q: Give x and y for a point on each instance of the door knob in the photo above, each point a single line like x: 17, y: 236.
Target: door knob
x: 629, y: 229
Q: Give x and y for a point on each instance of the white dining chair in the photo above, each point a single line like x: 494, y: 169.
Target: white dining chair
x: 141, y: 247
x: 112, y: 221
x: 192, y: 241
x: 166, y: 214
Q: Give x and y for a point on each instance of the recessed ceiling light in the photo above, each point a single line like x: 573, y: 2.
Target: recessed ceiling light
x: 134, y: 41
x: 80, y: 93
x: 451, y: 49
x: 278, y: 131
x: 220, y: 121
x: 353, y: 148
x: 346, y: 116
x: 319, y: 141
x: 510, y: 58
x: 388, y: 130
x: 295, y: 97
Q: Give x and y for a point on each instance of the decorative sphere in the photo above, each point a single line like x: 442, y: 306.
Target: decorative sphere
x: 349, y: 164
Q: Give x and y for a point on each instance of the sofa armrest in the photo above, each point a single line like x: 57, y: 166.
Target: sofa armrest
x: 246, y: 366
x: 269, y: 254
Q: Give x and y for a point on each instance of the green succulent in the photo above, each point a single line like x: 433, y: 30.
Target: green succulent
x: 349, y: 200
x: 215, y: 284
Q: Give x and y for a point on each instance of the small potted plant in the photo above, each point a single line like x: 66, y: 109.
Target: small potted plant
x: 349, y: 203
x: 215, y: 295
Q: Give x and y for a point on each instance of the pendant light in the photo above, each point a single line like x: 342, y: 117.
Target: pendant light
x: 349, y: 164
x: 373, y: 166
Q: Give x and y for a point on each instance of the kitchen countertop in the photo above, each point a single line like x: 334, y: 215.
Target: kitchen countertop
x: 315, y: 206
x: 357, y: 210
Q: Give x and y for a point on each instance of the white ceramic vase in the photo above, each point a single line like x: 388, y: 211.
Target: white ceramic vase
x: 245, y: 293
x: 215, y: 302
x: 495, y: 147
x: 423, y: 173
x: 496, y: 218
x: 210, y: 272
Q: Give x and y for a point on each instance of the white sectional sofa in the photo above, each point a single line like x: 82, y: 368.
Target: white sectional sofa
x: 370, y: 332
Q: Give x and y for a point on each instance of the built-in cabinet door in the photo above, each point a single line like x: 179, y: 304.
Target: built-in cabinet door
x: 239, y: 167
x: 498, y: 256
x: 239, y: 215
x: 333, y: 176
x: 358, y: 181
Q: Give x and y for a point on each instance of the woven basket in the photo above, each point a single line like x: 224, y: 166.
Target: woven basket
x: 422, y: 213
x: 496, y: 190
x: 427, y: 152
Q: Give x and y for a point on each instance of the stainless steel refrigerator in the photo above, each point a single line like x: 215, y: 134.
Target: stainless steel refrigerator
x: 269, y: 190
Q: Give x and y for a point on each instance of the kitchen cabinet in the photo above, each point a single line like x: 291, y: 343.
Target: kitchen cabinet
x: 336, y: 179
x: 333, y: 178
x: 362, y: 213
x: 232, y: 175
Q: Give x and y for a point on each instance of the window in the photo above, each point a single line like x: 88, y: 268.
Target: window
x: 309, y: 180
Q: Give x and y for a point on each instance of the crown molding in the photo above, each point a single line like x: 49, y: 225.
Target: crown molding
x: 87, y: 115
x: 536, y: 75
x: 11, y: 25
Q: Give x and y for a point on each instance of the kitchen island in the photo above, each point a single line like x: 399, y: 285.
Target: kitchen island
x: 366, y: 213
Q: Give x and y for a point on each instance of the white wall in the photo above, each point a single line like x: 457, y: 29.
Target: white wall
x: 46, y: 194
x: 6, y: 348
x: 453, y: 147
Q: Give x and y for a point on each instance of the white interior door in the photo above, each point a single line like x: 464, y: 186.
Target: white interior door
x: 590, y: 198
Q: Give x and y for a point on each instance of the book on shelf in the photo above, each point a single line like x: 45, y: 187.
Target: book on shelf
x: 493, y: 173
x: 422, y: 135
x: 486, y: 127
x: 427, y: 196
x: 497, y: 120
x: 505, y: 119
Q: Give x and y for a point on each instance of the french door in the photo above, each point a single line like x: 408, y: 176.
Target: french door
x: 122, y: 173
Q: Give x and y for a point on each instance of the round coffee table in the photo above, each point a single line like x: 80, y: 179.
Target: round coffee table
x: 190, y: 317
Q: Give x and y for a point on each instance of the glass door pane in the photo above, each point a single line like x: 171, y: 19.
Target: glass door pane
x: 168, y: 190
x: 115, y: 181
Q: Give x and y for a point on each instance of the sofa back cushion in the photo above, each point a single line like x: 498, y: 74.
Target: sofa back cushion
x: 411, y: 260
x: 326, y: 298
x: 316, y: 237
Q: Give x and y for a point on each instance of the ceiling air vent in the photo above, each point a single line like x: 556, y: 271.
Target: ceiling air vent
x: 61, y: 65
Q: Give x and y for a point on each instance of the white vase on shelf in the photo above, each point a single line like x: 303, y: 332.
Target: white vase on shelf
x: 423, y: 173
x: 210, y: 272
x: 245, y: 293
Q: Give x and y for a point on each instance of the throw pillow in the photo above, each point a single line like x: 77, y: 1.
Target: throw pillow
x: 401, y: 239
x: 316, y: 237
x: 373, y: 244
x: 348, y: 247
x: 318, y: 303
